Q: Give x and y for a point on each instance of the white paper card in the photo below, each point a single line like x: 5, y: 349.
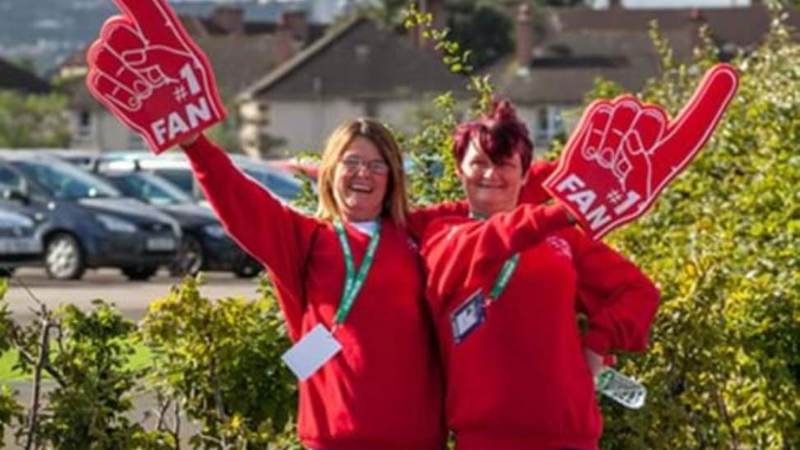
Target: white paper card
x: 311, y: 352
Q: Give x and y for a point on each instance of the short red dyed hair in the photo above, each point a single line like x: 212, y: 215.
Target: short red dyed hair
x: 499, y: 134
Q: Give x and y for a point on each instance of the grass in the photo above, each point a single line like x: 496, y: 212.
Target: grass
x: 140, y: 359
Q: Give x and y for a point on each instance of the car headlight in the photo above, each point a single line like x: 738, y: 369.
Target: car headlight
x: 215, y: 231
x: 116, y: 224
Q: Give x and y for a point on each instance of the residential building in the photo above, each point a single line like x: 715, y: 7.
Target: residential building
x: 240, y: 52
x: 553, y: 70
x: 358, y: 69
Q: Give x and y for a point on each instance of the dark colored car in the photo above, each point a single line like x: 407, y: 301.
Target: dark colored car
x: 20, y: 240
x: 204, y: 245
x: 87, y: 223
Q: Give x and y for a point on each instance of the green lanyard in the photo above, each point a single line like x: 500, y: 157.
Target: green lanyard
x: 505, y: 273
x: 354, y: 281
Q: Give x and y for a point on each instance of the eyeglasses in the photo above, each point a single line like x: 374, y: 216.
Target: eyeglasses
x: 376, y: 166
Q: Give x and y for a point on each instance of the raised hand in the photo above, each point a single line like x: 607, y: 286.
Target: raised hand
x: 623, y: 153
x: 151, y: 75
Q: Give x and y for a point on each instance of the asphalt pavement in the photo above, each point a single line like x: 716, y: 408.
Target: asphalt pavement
x: 130, y: 297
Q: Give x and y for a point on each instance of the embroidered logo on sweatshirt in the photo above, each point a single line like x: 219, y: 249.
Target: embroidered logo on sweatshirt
x: 560, y: 245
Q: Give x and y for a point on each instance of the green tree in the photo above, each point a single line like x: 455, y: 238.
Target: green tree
x: 33, y: 120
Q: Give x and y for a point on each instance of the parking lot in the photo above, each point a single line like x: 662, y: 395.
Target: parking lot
x: 130, y: 297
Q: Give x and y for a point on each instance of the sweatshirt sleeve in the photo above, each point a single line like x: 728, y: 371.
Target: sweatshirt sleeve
x: 619, y: 301
x: 472, y: 252
x: 420, y: 218
x: 273, y: 233
x: 532, y: 191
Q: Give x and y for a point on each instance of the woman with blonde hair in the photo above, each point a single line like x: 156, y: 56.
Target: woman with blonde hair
x: 352, y: 274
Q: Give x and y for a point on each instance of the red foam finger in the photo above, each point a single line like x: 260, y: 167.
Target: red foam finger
x: 125, y: 40
x: 596, y: 121
x: 113, y: 66
x: 698, y: 119
x: 650, y: 125
x: 156, y: 20
x: 625, y: 111
x: 111, y: 90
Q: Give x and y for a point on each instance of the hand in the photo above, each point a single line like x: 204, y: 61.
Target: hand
x: 594, y: 361
x: 152, y: 76
x: 623, y: 153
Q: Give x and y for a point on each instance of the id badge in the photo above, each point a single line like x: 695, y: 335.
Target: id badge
x: 468, y: 316
x: 311, y: 352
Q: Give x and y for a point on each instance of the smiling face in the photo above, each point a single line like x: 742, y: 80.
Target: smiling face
x: 490, y: 187
x: 360, y: 181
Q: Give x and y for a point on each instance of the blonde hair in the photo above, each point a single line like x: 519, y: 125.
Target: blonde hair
x: 395, y: 204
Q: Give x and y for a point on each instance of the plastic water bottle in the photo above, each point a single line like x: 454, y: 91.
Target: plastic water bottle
x: 622, y: 389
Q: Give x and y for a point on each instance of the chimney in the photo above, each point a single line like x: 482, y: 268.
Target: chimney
x: 296, y: 24
x: 285, y: 45
x: 229, y: 18
x: 524, y: 38
x: 194, y: 26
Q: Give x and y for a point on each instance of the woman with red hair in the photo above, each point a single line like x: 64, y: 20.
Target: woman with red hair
x: 505, y: 292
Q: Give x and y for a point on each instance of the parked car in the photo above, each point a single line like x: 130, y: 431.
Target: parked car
x: 20, y: 240
x: 204, y: 243
x: 176, y: 169
x: 87, y: 221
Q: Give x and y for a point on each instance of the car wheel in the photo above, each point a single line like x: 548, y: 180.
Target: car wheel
x: 139, y: 273
x: 247, y: 269
x: 63, y: 257
x: 190, y: 257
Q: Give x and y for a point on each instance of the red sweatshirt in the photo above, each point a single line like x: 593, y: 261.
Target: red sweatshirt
x: 384, y: 389
x: 520, y: 381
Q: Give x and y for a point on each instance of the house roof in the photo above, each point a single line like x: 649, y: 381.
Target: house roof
x: 565, y: 68
x: 238, y: 60
x: 580, y: 45
x: 16, y: 79
x: 741, y: 26
x: 357, y: 60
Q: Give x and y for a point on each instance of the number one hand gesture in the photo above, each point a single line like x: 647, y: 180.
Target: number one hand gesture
x: 623, y: 153
x: 152, y: 76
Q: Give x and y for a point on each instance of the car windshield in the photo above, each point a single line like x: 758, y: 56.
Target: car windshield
x: 149, y: 188
x: 64, y: 181
x: 183, y: 179
x: 284, y: 186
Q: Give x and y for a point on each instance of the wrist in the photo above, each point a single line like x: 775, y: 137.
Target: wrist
x: 188, y: 142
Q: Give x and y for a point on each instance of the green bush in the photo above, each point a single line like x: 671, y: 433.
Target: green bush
x: 221, y: 361
x: 723, y: 244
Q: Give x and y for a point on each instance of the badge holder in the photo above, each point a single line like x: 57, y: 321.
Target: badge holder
x: 468, y: 316
x: 311, y: 352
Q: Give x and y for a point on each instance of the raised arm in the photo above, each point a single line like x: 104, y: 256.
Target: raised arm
x: 275, y: 234
x: 620, y: 302
x: 475, y: 250
x: 532, y: 192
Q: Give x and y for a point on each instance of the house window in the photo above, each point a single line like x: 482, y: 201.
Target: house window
x: 548, y: 124
x: 84, y: 123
